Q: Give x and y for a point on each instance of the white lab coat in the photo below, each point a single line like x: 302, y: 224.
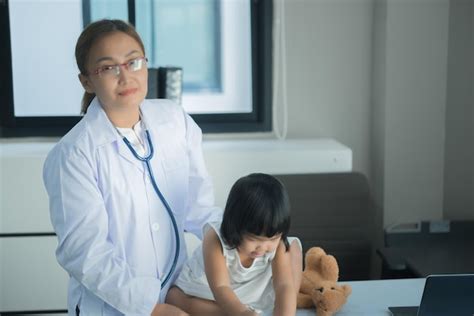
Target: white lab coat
x: 112, y: 229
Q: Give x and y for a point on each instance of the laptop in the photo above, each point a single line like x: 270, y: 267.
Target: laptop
x: 443, y: 295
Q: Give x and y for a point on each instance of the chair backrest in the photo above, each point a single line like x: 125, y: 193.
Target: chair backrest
x: 152, y: 92
x: 333, y: 211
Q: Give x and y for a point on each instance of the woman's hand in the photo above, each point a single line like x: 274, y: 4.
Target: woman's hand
x: 167, y: 310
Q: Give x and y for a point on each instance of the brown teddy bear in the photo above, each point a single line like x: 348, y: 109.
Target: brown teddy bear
x: 319, y: 285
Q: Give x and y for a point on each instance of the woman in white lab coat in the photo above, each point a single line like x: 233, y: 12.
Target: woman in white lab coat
x: 116, y: 238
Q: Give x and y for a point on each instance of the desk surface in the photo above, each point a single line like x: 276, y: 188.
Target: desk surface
x: 372, y: 298
x: 431, y: 259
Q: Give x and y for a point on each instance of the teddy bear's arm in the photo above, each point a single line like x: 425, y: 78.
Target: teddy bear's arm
x: 306, y: 286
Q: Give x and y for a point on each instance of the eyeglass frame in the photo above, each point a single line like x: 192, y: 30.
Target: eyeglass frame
x: 125, y: 65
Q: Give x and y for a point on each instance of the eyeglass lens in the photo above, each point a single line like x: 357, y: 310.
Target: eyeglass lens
x: 133, y: 65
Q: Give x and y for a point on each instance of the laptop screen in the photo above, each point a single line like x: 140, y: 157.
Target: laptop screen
x: 443, y: 295
x: 448, y: 295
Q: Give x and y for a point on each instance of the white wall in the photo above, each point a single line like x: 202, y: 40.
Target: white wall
x: 374, y: 75
x: 329, y: 56
x: 412, y: 105
x: 377, y: 117
x: 459, y: 158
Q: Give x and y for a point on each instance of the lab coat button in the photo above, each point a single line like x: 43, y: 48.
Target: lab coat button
x: 155, y: 226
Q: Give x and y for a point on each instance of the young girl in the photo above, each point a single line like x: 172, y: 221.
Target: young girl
x: 119, y: 238
x: 247, y: 264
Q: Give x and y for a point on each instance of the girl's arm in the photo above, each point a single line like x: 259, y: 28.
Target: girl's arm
x: 283, y: 284
x: 218, y: 277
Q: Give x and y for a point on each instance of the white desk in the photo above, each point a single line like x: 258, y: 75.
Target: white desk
x: 372, y: 298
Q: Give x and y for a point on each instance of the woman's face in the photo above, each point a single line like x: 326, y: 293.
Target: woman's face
x: 116, y: 92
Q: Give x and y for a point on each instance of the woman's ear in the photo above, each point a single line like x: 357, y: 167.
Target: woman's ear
x: 86, y: 84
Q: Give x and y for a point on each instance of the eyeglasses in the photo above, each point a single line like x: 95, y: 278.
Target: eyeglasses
x: 112, y: 71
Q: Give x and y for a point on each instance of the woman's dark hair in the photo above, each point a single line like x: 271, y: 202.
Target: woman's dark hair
x: 258, y: 204
x: 89, y: 37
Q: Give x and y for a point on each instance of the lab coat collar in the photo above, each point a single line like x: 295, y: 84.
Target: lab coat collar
x: 105, y: 133
x: 100, y: 125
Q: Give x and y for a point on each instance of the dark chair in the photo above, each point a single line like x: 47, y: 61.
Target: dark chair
x: 152, y: 84
x: 333, y: 211
x: 165, y: 83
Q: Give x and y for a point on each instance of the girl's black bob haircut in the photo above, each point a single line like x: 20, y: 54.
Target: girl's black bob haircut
x: 258, y: 204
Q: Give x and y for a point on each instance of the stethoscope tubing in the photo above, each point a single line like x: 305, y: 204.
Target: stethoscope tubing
x: 147, y: 160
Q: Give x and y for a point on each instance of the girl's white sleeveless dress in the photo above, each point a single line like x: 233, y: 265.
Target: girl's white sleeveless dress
x: 252, y: 285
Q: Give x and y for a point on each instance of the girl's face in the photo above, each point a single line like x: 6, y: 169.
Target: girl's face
x: 254, y: 246
x: 116, y: 92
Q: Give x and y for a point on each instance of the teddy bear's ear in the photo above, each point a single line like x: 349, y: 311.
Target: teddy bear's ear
x: 347, y: 289
x: 328, y: 268
x: 313, y: 255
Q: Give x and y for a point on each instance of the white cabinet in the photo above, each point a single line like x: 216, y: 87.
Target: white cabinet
x: 31, y: 278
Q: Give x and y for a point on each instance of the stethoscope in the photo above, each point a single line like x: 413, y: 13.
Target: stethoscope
x: 147, y: 160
